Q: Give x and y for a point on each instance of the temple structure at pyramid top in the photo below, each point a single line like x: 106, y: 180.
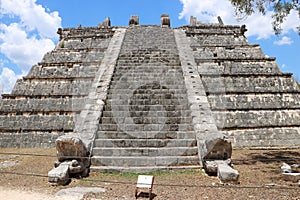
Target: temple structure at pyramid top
x: 151, y: 96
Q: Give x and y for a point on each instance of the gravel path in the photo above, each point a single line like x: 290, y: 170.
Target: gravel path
x: 11, y: 194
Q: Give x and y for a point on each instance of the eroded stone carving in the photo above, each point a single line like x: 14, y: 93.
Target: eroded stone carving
x: 165, y: 20
x: 215, y: 153
x: 105, y: 23
x: 134, y: 20
x: 59, y: 32
x: 72, y: 161
x: 220, y: 21
x: 215, y: 148
x: 226, y: 174
x: 243, y: 29
x: 193, y: 21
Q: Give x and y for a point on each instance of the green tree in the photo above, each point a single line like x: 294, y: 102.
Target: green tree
x: 281, y: 8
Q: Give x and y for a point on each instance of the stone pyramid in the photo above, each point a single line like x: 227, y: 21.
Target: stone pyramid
x: 145, y: 97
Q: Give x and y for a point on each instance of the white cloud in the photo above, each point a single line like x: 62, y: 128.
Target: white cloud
x: 284, y: 40
x: 257, y: 24
x: 29, y: 33
x: 32, y: 16
x: 8, y: 79
x: 283, y: 66
x: 21, y: 49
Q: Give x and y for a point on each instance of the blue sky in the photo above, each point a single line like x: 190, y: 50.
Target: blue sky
x: 28, y: 27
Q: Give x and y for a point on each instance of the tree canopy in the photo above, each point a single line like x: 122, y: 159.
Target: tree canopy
x: 281, y: 8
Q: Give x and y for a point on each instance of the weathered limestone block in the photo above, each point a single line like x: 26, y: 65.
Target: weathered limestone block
x: 255, y: 119
x: 134, y: 20
x: 216, y: 149
x: 211, y: 166
x: 69, y: 147
x: 38, y: 105
x: 96, y: 32
x: 254, y: 101
x: 220, y: 21
x: 63, y: 71
x: 52, y: 87
x: 295, y: 168
x: 293, y: 177
x: 251, y: 84
x: 243, y: 29
x: 214, y: 40
x: 72, y: 160
x: 59, y: 32
x: 59, y: 175
x: 193, y: 21
x: 73, y: 57
x: 36, y: 122
x: 214, y: 29
x: 264, y: 137
x: 286, y: 168
x: 226, y: 174
x: 165, y: 20
x: 105, y: 23
x: 245, y: 52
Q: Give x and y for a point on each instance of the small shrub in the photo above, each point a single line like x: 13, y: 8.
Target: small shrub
x: 62, y: 44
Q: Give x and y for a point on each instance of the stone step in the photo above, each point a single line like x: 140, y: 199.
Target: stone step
x: 162, y: 113
x: 148, y: 69
x: 146, y: 87
x: 144, y: 151
x: 160, y: 134
x: 135, y: 110
x: 149, y: 102
x: 145, y: 142
x: 142, y: 61
x: 111, y: 169
x: 145, y: 127
x: 146, y: 120
x: 139, y: 64
x: 145, y: 161
x: 147, y: 81
x: 150, y: 55
x: 182, y: 97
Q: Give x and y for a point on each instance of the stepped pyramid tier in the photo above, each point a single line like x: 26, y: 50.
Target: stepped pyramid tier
x: 151, y: 97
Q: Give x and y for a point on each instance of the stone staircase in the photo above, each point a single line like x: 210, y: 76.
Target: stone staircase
x: 146, y: 122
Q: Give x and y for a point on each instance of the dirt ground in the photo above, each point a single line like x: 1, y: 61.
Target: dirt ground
x: 25, y: 177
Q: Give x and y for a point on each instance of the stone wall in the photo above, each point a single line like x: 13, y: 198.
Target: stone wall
x: 29, y: 140
x: 73, y: 87
x: 20, y: 123
x: 46, y: 103
x: 255, y: 101
x: 63, y: 71
x: 55, y: 105
x: 252, y: 101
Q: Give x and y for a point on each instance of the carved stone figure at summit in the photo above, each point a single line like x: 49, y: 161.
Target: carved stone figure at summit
x: 165, y: 20
x: 134, y: 20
